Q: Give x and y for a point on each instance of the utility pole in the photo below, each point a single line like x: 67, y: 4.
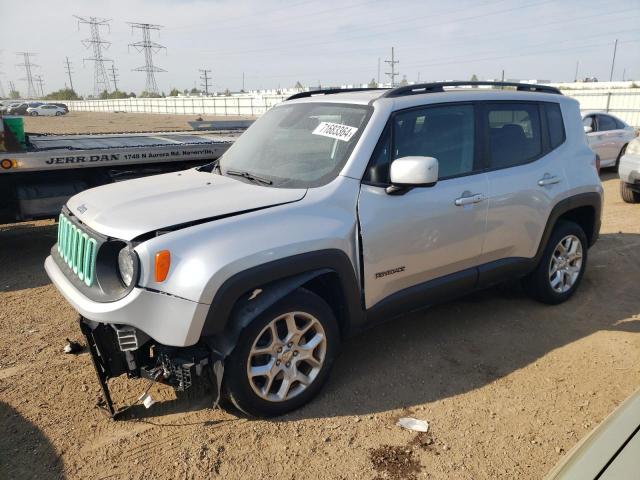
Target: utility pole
x: 2, y: 93
x: 100, y: 77
x: 69, y: 72
x: 393, y: 62
x: 204, y: 76
x: 27, y: 65
x: 378, y: 71
x: 40, y: 82
x: 575, y: 77
x: 114, y: 76
x: 243, y: 81
x: 613, y: 60
x: 624, y: 72
x: 148, y: 47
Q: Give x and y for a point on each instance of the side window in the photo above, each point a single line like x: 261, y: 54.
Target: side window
x: 514, y: 134
x: 619, y: 124
x: 606, y: 123
x: 588, y: 122
x: 555, y: 124
x: 446, y: 133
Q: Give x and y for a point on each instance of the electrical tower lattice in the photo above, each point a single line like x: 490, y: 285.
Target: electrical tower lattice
x: 100, y: 78
x: 28, y: 66
x: 148, y: 47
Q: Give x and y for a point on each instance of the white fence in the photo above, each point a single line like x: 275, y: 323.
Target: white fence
x: 622, y: 102
x: 232, y: 105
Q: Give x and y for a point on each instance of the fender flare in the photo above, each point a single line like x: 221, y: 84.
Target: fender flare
x: 235, y: 304
x: 588, y: 199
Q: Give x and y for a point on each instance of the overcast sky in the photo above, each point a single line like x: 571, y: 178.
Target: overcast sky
x: 278, y: 42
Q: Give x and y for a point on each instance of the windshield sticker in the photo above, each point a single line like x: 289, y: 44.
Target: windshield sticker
x: 335, y: 130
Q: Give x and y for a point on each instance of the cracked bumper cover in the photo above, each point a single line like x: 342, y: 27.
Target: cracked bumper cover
x: 167, y: 319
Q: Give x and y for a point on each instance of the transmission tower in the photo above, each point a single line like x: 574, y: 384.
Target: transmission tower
x: 12, y: 88
x: 2, y: 92
x: 205, y: 79
x: 69, y: 72
x: 148, y: 47
x: 100, y: 78
x: 40, y: 81
x: 27, y: 65
x: 393, y: 62
x: 114, y: 77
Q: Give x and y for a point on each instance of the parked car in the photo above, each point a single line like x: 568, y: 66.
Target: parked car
x: 17, y: 108
x: 629, y: 172
x: 61, y: 105
x: 46, y: 110
x: 608, y: 136
x: 610, y: 452
x: 6, y: 107
x: 334, y: 211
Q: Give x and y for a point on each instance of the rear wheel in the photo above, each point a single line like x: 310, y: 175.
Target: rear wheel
x: 58, y: 114
x: 557, y: 276
x: 627, y: 194
x: 283, y: 357
x: 34, y: 114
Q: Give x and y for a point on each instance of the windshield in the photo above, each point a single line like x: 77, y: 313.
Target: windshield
x: 297, y: 145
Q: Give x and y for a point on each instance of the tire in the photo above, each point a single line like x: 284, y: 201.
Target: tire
x: 256, y: 396
x: 34, y: 114
x: 58, y: 114
x: 627, y: 194
x: 554, y: 288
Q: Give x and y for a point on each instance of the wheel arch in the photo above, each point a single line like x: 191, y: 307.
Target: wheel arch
x: 241, y: 298
x: 583, y: 209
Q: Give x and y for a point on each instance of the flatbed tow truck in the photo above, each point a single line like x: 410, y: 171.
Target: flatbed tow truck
x: 36, y: 182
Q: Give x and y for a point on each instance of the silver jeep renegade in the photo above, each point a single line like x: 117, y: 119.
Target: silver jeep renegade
x: 334, y: 211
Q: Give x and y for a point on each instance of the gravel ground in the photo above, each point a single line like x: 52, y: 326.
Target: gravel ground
x: 508, y: 385
x: 107, y: 122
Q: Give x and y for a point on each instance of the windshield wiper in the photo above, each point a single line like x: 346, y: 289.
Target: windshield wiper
x: 249, y: 176
x: 210, y: 167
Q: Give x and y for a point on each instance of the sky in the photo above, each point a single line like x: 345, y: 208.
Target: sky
x: 276, y: 43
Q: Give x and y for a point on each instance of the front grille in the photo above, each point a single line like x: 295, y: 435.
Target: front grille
x: 78, y: 250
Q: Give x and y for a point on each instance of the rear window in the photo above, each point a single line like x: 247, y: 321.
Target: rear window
x: 606, y: 123
x: 555, y: 124
x: 515, y: 136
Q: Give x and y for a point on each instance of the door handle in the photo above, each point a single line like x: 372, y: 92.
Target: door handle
x: 548, y: 180
x: 469, y: 198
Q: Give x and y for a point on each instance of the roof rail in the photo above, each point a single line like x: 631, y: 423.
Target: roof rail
x: 330, y: 91
x: 435, y: 87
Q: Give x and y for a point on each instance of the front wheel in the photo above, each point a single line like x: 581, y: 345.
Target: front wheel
x: 563, y: 262
x: 58, y: 114
x: 34, y: 114
x: 627, y: 194
x: 283, y: 357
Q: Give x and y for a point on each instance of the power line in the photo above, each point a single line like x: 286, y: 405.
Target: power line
x: 100, y: 78
x: 148, y: 47
x: 27, y: 65
x: 114, y: 76
x: 393, y: 62
x: 205, y: 78
x: 69, y: 72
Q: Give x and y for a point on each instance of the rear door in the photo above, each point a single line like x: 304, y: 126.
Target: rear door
x: 526, y: 141
x: 427, y: 232
x: 612, y: 139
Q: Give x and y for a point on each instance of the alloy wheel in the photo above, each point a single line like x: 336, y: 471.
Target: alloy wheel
x: 565, y: 264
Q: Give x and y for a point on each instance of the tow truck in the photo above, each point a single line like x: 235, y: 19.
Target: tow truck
x: 38, y: 176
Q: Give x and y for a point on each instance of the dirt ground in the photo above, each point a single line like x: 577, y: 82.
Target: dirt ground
x: 98, y: 122
x: 507, y: 385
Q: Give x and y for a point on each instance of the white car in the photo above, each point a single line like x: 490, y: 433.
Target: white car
x: 608, y: 137
x: 46, y: 110
x: 629, y: 172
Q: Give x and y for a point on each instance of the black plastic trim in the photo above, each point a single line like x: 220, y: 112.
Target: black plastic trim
x: 233, y: 288
x: 330, y: 91
x: 438, y: 87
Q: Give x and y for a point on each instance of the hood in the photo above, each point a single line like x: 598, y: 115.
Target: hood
x: 129, y: 209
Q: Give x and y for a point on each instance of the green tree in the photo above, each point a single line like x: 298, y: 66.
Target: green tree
x: 62, y: 94
x: 373, y: 83
x: 145, y: 94
x: 474, y: 78
x: 194, y: 91
x: 227, y: 93
x: 113, y: 95
x: 14, y: 94
x: 174, y: 92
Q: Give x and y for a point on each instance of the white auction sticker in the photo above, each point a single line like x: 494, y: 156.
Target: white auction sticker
x: 335, y: 130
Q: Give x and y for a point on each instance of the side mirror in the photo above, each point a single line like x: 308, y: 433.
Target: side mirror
x: 407, y: 172
x: 588, y: 129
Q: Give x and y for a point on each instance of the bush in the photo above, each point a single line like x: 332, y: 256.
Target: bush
x: 62, y: 94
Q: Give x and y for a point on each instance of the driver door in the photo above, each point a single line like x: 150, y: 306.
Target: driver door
x: 428, y: 233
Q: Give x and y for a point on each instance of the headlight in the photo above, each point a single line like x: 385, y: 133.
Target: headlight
x: 126, y: 265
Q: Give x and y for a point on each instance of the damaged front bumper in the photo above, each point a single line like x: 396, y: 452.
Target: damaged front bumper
x: 119, y: 350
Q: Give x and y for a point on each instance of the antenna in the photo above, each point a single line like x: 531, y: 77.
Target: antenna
x: 27, y: 65
x: 148, y: 48
x: 205, y: 78
x: 100, y: 78
x: 392, y: 74
x: 69, y: 72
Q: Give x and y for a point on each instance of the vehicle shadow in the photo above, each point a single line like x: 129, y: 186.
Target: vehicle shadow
x: 25, y: 452
x: 466, y: 344
x: 23, y: 249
